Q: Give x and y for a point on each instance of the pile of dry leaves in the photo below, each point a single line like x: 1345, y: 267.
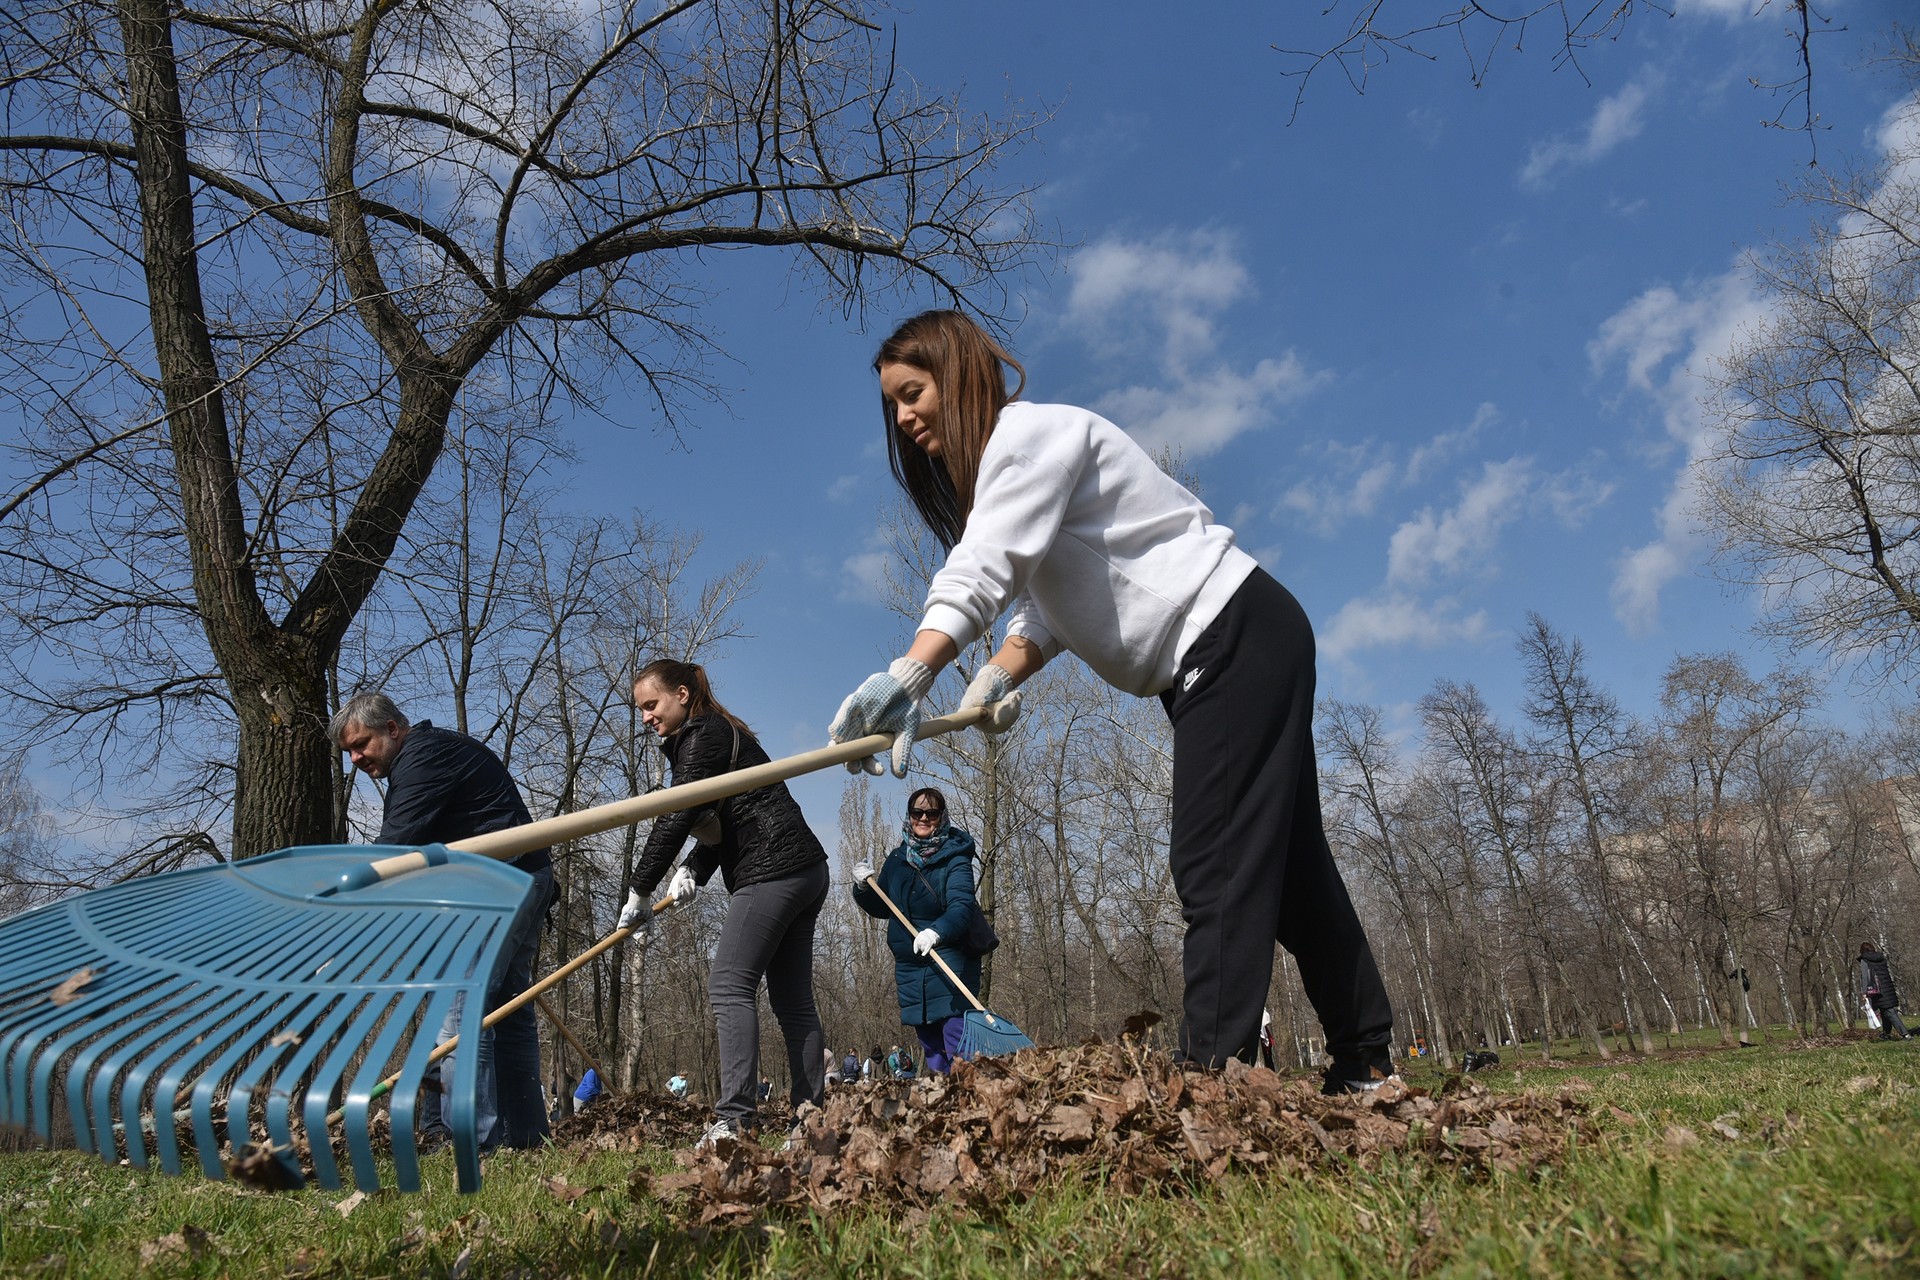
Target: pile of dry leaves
x: 1000, y: 1127
x: 630, y: 1121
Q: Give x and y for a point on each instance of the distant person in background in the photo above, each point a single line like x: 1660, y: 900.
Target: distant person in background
x: 1876, y: 984
x: 589, y: 1090
x: 775, y: 871
x: 443, y: 786
x: 850, y: 1067
x: 873, y: 1065
x: 677, y: 1084
x: 929, y: 876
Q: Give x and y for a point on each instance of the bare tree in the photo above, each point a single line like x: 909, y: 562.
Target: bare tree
x: 1584, y: 736
x: 1812, y: 480
x: 1376, y: 30
x: 25, y: 845
x: 339, y: 225
x: 1364, y: 791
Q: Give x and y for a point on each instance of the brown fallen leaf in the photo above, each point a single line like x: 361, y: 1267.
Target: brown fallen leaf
x: 188, y: 1242
x: 69, y: 990
x: 346, y: 1207
x: 563, y: 1191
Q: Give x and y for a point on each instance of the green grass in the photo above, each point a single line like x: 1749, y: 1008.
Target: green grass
x: 1822, y: 1180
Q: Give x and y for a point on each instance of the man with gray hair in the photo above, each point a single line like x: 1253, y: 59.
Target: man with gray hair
x: 444, y: 786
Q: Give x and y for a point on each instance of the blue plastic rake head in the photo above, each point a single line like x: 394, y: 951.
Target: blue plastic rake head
x: 248, y: 997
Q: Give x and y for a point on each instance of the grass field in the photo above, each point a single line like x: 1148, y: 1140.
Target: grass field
x: 1774, y: 1161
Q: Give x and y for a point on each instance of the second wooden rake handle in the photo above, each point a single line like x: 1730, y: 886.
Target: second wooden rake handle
x: 515, y: 841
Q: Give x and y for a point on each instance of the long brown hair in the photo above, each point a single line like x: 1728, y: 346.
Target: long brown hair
x: 969, y: 370
x: 692, y: 677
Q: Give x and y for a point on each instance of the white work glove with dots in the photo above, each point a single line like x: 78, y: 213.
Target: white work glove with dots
x: 993, y: 687
x: 683, y: 886
x: 862, y: 871
x: 886, y: 702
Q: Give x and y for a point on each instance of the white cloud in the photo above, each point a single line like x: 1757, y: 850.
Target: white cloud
x: 1156, y: 302
x: 1663, y: 342
x: 1361, y: 476
x: 1165, y: 291
x: 845, y: 487
x: 863, y: 577
x: 1731, y: 10
x: 1434, y: 545
x: 1618, y: 119
x: 1395, y: 619
x: 1203, y: 412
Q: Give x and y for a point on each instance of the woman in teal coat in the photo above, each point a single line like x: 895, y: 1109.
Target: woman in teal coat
x: 930, y: 878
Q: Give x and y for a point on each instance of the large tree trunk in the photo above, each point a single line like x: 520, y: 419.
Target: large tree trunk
x: 284, y: 792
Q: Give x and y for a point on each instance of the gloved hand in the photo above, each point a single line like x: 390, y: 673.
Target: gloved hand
x: 993, y: 687
x: 886, y: 702
x: 682, y: 887
x: 862, y: 871
x: 637, y: 915
x: 924, y: 941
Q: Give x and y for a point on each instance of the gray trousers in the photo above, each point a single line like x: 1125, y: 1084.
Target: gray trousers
x: 768, y: 934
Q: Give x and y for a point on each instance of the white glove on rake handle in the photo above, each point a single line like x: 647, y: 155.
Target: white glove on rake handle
x: 886, y: 702
x: 925, y: 941
x: 636, y: 915
x: 993, y: 687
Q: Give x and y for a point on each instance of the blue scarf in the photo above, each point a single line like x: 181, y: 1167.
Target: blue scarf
x: 920, y: 847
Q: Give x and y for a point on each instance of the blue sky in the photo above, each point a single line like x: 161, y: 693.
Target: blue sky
x: 1431, y: 351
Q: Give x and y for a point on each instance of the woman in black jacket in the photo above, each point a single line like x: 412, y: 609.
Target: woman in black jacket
x: 1876, y: 984
x: 773, y: 866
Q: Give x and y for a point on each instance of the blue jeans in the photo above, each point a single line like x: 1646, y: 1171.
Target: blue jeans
x: 507, y: 1102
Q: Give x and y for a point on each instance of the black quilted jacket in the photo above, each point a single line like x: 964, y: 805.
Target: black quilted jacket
x: 763, y: 835
x: 1876, y: 978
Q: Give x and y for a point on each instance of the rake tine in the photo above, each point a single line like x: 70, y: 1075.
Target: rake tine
x: 400, y: 1007
x: 526, y: 997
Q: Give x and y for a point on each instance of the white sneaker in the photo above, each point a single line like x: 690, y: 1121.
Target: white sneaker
x: 1333, y: 1086
x: 719, y: 1131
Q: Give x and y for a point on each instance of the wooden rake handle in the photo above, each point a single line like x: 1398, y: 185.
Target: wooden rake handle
x: 873, y: 883
x: 515, y: 841
x: 519, y: 1002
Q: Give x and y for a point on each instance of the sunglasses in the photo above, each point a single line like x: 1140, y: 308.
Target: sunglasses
x: 925, y: 813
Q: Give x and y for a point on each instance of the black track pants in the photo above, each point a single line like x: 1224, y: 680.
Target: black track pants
x: 1249, y: 854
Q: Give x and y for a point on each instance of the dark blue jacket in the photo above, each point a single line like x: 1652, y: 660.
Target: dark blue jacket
x: 939, y: 897
x: 445, y: 786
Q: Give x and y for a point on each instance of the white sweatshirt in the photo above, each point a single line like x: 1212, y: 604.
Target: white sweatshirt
x: 1100, y: 552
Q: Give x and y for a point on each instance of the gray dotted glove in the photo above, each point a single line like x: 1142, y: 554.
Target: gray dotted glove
x: 683, y: 886
x: 862, y: 871
x: 886, y: 702
x: 993, y: 688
